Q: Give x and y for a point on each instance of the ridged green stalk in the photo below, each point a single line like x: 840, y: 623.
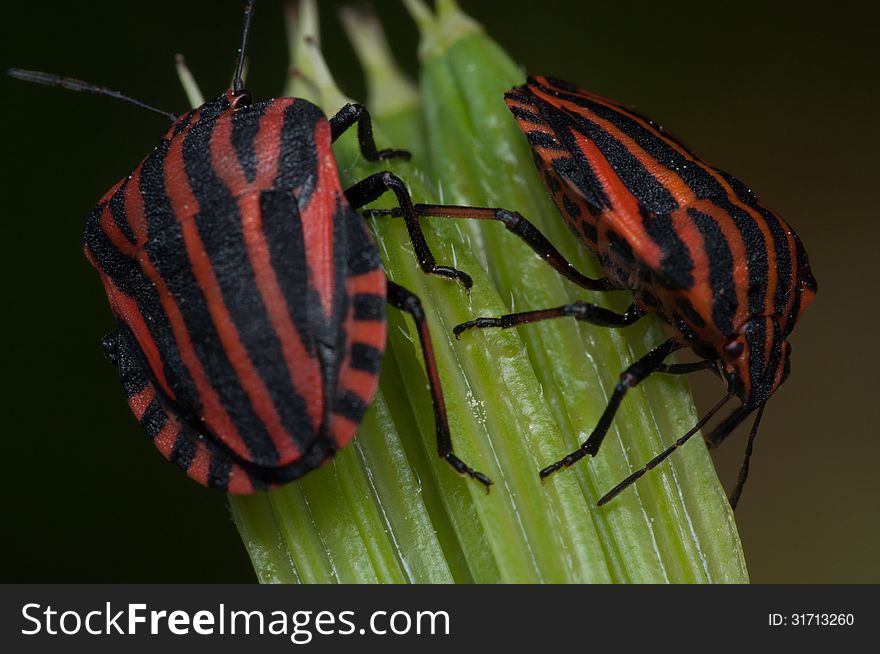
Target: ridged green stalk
x: 386, y: 509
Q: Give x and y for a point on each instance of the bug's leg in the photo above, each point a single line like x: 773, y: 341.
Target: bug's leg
x: 513, y: 222
x: 724, y: 428
x: 653, y: 463
x: 578, y: 310
x: 688, y: 368
x: 744, y: 469
x: 173, y: 436
x: 407, y: 301
x: 629, y: 378
x: 357, y: 113
x: 373, y: 187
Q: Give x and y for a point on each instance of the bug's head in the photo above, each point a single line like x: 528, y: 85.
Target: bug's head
x: 756, y: 360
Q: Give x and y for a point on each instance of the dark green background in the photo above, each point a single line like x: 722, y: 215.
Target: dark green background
x: 783, y: 96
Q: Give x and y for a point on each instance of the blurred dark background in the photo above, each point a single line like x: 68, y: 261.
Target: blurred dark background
x: 784, y: 96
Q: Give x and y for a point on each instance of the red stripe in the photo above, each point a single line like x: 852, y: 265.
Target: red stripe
x: 201, y: 464
x: 317, y: 219
x: 140, y: 401
x: 239, y: 482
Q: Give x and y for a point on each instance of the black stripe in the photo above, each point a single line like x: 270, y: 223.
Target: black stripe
x: 259, y: 484
x: 154, y: 418
x: 724, y: 302
x: 109, y: 259
x: 133, y: 371
x: 245, y: 125
x: 117, y: 210
x: 521, y: 94
x: 763, y: 345
x: 756, y: 338
x: 756, y: 253
x: 366, y: 358
x: 589, y: 230
x: 219, y: 470
x: 220, y: 228
x: 183, y: 452
x: 571, y: 208
x: 577, y: 172
x: 804, y: 280
x: 261, y: 478
x: 551, y: 179
x: 689, y: 313
x: 297, y: 161
x: 539, y: 139
x: 558, y: 83
x: 182, y: 122
x: 213, y: 108
x: 676, y: 265
x: 282, y: 227
x: 524, y: 114
x: 355, y: 251
x: 368, y: 306
x: 350, y: 406
x: 776, y: 352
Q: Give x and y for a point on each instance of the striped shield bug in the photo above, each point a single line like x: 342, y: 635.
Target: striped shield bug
x: 248, y: 292
x: 692, y: 243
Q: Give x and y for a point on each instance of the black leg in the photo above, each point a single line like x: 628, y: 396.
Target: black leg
x: 653, y: 463
x: 515, y: 223
x: 630, y: 378
x: 725, y: 427
x: 744, y: 469
x: 357, y: 113
x: 405, y: 300
x: 373, y: 187
x: 688, y: 368
x: 578, y: 310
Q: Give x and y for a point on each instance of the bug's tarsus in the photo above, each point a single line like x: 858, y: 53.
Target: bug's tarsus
x: 407, y: 301
x: 579, y: 310
x: 71, y: 84
x: 237, y: 80
x: 636, y: 373
x: 614, y: 492
x: 369, y: 189
x: 744, y: 469
x: 350, y: 114
x: 514, y: 222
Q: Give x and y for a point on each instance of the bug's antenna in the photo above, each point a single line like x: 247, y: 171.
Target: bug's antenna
x: 744, y: 470
x: 77, y: 85
x: 237, y: 83
x: 614, y: 492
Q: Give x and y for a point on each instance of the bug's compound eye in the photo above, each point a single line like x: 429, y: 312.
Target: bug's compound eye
x: 733, y: 349
x: 241, y: 99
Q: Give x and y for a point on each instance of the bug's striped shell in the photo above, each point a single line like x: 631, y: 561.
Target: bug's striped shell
x: 692, y: 242
x: 253, y: 293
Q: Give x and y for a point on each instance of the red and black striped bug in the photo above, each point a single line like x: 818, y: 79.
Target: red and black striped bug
x: 248, y: 292
x: 693, y: 244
